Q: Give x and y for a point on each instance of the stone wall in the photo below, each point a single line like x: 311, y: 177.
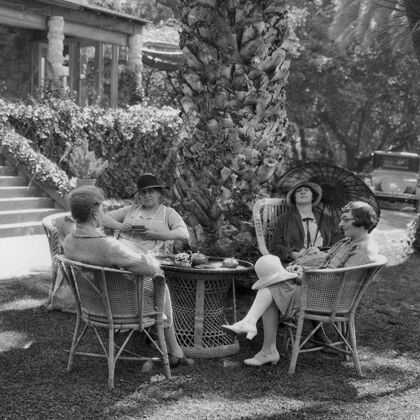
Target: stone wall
x: 15, y: 62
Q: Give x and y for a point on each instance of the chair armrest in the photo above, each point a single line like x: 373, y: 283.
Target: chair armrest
x: 260, y: 236
x: 271, y: 208
x: 379, y: 262
x: 53, y: 242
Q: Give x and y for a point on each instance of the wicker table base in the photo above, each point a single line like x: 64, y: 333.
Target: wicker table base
x: 200, y: 300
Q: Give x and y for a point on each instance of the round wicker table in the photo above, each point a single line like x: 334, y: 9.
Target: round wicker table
x: 200, y: 300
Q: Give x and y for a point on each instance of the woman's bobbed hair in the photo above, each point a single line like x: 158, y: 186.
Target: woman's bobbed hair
x: 363, y: 214
x: 84, y: 201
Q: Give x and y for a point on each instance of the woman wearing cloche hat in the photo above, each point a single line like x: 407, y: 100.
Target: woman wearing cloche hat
x: 148, y: 225
x: 303, y: 225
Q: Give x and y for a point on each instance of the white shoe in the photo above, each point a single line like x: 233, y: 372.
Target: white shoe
x: 261, y: 359
x: 242, y: 327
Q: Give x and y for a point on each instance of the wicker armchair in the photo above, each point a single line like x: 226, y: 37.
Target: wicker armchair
x: 56, y: 227
x: 115, y: 300
x: 266, y: 212
x: 332, y: 296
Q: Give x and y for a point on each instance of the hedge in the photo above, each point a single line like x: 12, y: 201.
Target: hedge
x: 134, y: 140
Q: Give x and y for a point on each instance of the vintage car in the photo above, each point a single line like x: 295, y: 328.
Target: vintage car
x: 395, y: 177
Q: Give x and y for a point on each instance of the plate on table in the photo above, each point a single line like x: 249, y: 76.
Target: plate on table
x: 205, y: 266
x: 165, y: 259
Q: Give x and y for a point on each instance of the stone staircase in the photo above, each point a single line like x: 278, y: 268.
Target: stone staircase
x: 22, y: 207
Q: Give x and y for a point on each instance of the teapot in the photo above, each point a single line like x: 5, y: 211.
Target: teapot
x: 198, y: 258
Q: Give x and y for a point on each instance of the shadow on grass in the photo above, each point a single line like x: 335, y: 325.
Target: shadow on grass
x: 388, y: 317
x: 35, y: 286
x: 34, y: 382
x: 211, y: 390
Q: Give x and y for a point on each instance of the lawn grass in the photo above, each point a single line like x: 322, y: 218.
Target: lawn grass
x: 34, y: 383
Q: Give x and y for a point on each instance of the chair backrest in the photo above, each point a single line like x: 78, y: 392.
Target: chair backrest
x: 111, y: 296
x: 337, y: 291
x: 56, y: 227
x: 266, y: 212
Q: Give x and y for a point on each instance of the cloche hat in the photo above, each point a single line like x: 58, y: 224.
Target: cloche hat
x: 146, y: 181
x: 270, y: 271
x: 316, y: 189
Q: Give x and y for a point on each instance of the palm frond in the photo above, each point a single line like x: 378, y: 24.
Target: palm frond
x: 391, y: 25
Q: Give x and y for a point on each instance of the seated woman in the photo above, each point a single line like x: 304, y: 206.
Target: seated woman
x: 89, y: 245
x: 357, y: 221
x: 148, y: 225
x: 303, y: 226
x: 304, y: 229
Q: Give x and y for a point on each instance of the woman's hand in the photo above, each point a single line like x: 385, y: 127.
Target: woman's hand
x: 150, y: 234
x: 312, y: 250
x: 297, y: 254
x: 126, y: 227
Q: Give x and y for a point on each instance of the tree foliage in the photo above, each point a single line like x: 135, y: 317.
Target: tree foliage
x: 354, y: 101
x: 153, y: 10
x: 385, y: 24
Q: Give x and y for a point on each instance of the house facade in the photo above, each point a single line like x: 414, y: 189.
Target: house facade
x: 84, y: 48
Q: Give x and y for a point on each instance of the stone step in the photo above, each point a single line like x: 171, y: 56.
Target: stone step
x: 7, y: 170
x: 22, y: 206
x: 12, y: 181
x: 21, y: 229
x: 22, y: 191
x: 23, y: 216
x: 20, y: 203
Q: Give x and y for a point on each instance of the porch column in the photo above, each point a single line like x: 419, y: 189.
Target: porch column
x: 135, y: 63
x: 55, y: 58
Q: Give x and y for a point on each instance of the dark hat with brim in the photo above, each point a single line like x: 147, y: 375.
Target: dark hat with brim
x: 147, y: 181
x: 315, y: 188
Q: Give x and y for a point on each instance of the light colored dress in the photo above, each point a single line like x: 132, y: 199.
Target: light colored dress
x: 164, y: 220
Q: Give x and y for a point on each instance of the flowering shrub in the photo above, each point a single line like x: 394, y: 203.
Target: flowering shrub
x: 133, y: 140
x: 52, y: 126
x: 84, y: 162
x: 39, y: 166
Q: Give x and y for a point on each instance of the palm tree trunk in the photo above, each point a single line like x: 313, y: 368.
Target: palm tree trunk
x: 233, y: 99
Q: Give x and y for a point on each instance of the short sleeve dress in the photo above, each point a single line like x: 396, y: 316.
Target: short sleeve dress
x: 164, y: 220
